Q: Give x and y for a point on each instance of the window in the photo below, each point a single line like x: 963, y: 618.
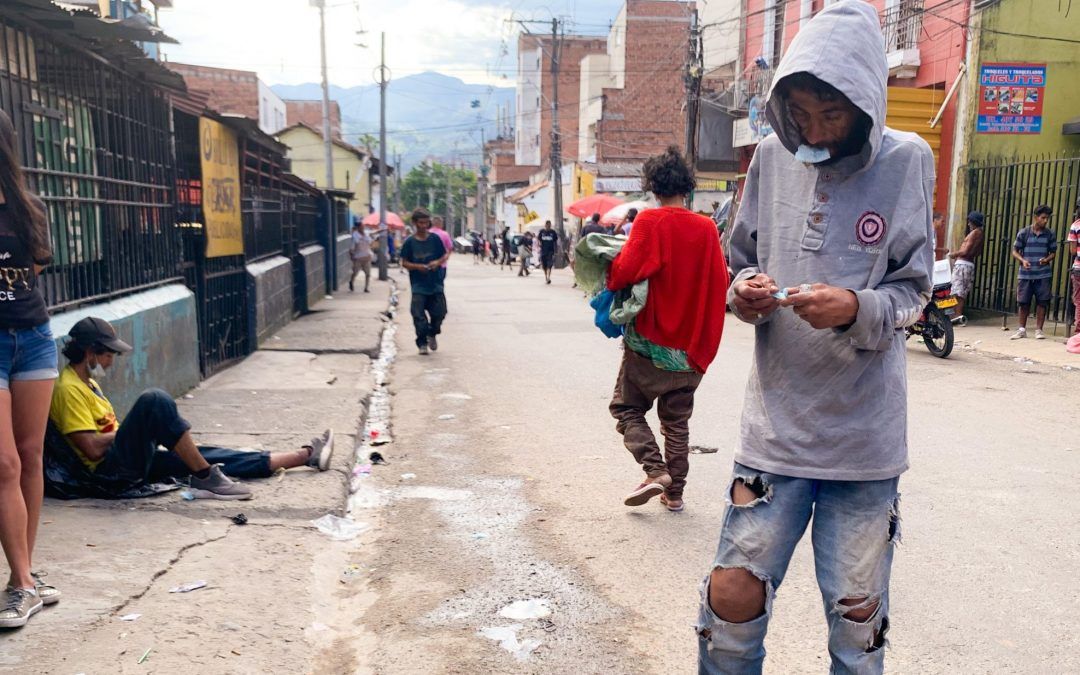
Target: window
x: 772, y: 42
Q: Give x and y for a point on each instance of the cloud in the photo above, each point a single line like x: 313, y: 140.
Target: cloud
x: 474, y: 40
x: 460, y: 38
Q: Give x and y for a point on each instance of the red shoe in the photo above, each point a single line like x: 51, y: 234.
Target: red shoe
x: 673, y: 504
x: 647, y: 490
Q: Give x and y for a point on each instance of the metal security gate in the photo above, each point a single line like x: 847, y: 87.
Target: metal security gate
x: 1008, y: 192
x: 219, y: 284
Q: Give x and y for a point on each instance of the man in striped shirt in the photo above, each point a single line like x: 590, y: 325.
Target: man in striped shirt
x: 1035, y: 249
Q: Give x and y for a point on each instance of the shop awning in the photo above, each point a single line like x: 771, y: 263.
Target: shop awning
x: 1072, y: 127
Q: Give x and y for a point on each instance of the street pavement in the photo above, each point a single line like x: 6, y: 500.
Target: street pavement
x: 278, y: 591
x: 506, y: 476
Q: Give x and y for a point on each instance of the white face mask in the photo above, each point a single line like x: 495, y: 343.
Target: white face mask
x: 809, y: 154
x: 96, y: 371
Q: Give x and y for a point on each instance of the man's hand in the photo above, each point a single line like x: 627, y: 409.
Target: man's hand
x: 823, y: 306
x: 1026, y: 264
x: 753, y: 297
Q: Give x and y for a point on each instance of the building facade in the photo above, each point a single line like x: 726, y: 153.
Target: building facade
x: 239, y: 92
x: 310, y: 113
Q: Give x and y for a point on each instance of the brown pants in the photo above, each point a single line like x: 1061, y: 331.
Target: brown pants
x: 638, y: 385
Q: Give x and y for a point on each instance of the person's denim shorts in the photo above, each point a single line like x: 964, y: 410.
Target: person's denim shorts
x: 27, y: 355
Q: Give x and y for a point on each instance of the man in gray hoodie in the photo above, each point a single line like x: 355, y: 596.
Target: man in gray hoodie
x: 832, y: 257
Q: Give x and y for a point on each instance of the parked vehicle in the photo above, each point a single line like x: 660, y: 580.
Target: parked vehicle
x: 935, y: 323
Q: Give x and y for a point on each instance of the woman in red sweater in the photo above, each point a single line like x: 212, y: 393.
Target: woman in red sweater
x: 669, y: 346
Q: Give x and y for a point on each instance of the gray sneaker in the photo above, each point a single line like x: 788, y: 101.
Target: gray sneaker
x: 433, y: 343
x: 322, y: 447
x: 218, y: 486
x: 19, y: 605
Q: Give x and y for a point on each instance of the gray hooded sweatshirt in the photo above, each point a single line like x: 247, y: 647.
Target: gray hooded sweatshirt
x: 832, y: 404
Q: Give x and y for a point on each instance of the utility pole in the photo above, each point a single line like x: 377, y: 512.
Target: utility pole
x: 327, y: 141
x: 481, y: 188
x: 397, y: 182
x: 449, y: 199
x: 556, y: 135
x: 384, y: 79
x: 694, y: 68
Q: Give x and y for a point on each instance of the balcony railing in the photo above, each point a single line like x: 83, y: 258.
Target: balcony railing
x: 901, y: 25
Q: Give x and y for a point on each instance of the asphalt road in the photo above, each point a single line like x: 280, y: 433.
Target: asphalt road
x: 518, y: 496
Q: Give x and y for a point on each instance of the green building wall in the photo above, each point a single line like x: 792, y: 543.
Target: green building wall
x: 1042, y: 19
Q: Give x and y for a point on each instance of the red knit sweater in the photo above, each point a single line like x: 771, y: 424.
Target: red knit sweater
x: 679, y: 253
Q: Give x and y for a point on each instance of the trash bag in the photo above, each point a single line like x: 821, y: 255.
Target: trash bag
x: 602, y: 304
x: 66, y: 477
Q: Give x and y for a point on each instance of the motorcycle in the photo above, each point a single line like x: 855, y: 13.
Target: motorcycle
x: 935, y: 324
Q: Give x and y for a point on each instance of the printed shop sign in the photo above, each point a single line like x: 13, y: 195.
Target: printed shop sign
x: 1011, y: 98
x: 221, y: 189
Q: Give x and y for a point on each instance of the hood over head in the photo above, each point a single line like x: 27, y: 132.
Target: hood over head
x: 844, y: 47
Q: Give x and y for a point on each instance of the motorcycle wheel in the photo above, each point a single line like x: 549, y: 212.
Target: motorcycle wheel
x: 938, y: 335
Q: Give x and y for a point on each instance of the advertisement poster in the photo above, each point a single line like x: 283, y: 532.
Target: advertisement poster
x: 1011, y: 98
x: 220, y: 161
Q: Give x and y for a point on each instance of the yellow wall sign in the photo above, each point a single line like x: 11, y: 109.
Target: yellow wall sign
x: 221, y: 189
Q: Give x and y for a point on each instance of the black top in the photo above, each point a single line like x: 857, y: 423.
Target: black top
x: 548, y: 240
x: 424, y: 282
x: 22, y: 304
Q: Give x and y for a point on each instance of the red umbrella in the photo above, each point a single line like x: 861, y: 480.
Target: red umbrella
x: 393, y: 220
x: 600, y: 203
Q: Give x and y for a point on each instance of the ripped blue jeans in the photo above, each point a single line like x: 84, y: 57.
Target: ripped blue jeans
x: 856, y: 524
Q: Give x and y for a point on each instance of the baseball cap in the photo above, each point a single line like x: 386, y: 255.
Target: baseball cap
x: 92, y: 330
x: 976, y: 217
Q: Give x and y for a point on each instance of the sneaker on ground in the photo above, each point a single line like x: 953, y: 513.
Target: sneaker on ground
x: 1039, y: 335
x: 50, y: 595
x: 433, y: 343
x: 322, y: 447
x: 218, y: 486
x: 19, y: 605
x: 1019, y: 334
x: 423, y: 350
x: 647, y: 490
x: 673, y: 504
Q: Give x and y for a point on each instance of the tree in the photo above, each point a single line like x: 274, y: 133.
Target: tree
x: 425, y: 185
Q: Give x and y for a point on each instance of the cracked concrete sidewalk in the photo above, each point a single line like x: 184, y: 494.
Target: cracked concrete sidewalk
x: 276, y: 598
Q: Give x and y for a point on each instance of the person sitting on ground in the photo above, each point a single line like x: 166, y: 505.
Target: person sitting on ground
x: 127, y: 452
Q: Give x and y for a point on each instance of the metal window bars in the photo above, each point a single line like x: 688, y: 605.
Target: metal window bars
x: 97, y: 148
x: 1007, y: 192
x: 901, y: 25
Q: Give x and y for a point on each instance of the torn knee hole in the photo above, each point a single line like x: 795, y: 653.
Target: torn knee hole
x: 737, y: 595
x: 749, y: 491
x: 859, y: 610
x: 879, y: 641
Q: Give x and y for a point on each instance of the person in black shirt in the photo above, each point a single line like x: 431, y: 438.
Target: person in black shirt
x: 549, y: 241
x: 506, y: 247
x: 593, y: 226
x: 27, y: 372
x: 423, y: 255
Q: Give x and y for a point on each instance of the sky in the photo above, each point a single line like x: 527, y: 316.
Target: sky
x: 473, y: 40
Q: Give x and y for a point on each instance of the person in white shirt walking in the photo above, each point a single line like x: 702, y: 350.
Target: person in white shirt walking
x: 360, y: 254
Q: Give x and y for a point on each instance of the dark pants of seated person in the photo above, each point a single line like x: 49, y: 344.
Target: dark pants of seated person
x: 154, y: 421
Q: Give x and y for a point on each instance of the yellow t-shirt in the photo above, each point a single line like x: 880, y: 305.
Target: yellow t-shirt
x: 77, y: 406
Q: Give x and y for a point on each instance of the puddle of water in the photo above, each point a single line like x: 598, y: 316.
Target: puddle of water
x: 376, y: 431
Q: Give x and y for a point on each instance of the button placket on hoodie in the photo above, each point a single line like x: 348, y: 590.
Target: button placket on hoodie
x: 817, y: 221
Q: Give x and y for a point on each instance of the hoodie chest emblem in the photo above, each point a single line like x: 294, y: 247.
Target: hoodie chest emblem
x: 870, y: 228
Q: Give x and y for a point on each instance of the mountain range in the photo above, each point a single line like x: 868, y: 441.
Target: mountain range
x: 427, y: 115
